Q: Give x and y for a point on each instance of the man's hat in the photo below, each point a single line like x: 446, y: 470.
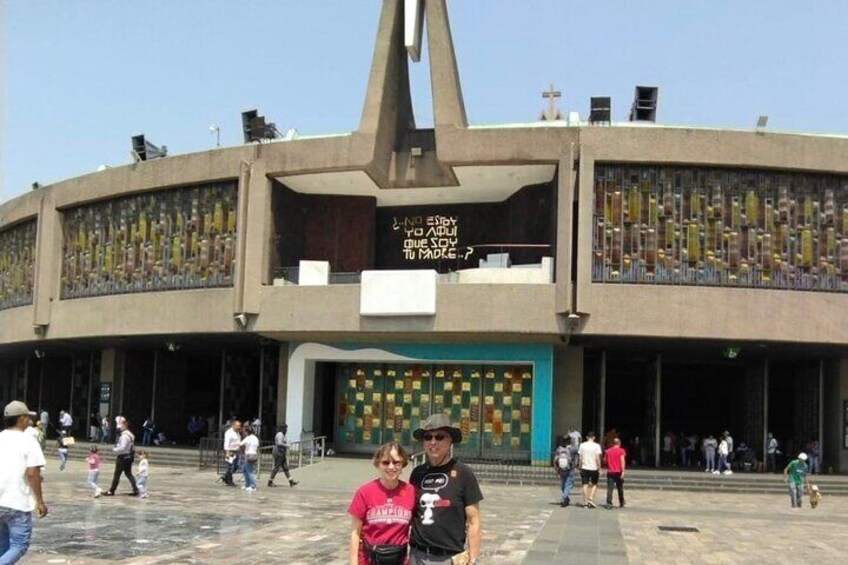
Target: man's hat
x: 802, y: 456
x: 17, y: 408
x: 438, y: 422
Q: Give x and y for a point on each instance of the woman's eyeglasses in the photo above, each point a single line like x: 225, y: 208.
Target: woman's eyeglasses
x: 389, y: 463
x: 437, y: 437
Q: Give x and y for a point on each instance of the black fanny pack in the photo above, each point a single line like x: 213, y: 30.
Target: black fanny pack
x: 384, y: 554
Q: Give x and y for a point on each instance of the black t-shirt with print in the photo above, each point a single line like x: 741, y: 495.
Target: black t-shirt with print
x: 441, y: 494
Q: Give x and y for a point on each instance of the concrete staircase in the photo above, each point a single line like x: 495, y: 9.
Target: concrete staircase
x: 652, y: 479
x: 166, y: 456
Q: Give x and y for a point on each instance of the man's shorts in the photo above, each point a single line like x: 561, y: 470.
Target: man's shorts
x: 589, y: 477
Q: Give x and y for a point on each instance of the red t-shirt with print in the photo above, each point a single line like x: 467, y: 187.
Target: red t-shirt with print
x: 385, y: 514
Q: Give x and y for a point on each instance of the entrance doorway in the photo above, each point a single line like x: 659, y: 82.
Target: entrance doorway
x: 379, y: 402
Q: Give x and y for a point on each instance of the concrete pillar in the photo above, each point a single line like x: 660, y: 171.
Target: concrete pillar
x: 112, y: 373
x: 568, y: 389
x: 282, y: 382
x: 658, y: 411
x: 835, y: 438
x: 602, y: 400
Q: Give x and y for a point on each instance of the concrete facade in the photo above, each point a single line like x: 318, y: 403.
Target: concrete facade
x: 533, y: 313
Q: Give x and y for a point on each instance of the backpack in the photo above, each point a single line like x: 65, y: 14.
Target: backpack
x: 564, y: 461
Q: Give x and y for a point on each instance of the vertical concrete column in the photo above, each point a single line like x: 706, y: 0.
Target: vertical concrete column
x: 566, y: 297
x: 255, y: 235
x: 111, y: 372
x: 765, y: 405
x: 282, y: 382
x: 448, y: 104
x: 602, y: 403
x: 658, y: 411
x: 568, y: 389
x: 300, y: 397
x: 48, y: 266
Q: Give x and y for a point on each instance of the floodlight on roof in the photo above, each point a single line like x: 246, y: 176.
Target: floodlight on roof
x: 762, y: 122
x: 645, y: 102
x: 600, y: 109
x: 143, y: 150
x: 255, y: 128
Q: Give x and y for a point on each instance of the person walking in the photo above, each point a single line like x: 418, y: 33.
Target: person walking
x: 105, y: 430
x: 281, y: 449
x: 589, y: 461
x: 232, y: 441
x: 563, y: 465
x: 93, y: 427
x: 731, y: 454
x: 40, y: 435
x: 771, y: 453
x: 20, y: 488
x: 813, y: 451
x: 710, y: 446
x: 93, y: 461
x: 148, y: 430
x: 574, y: 439
x: 62, y: 443
x: 381, y: 511
x: 143, y: 474
x: 723, y: 450
x: 124, y: 456
x: 616, y: 465
x: 448, y: 500
x: 66, y: 422
x: 250, y: 444
x: 796, y: 478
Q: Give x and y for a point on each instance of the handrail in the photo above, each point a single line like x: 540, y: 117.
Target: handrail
x: 301, y: 453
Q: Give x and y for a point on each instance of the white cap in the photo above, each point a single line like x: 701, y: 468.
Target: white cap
x: 17, y: 408
x: 802, y: 456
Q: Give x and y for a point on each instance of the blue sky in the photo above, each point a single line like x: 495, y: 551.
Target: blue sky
x: 80, y: 78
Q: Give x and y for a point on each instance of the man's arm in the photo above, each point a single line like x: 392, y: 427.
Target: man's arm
x: 623, y: 464
x: 472, y: 516
x: 33, y: 475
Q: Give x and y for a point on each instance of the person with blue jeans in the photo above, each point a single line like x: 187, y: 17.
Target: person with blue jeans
x: 21, y: 460
x: 232, y: 445
x: 250, y: 443
x: 564, y: 464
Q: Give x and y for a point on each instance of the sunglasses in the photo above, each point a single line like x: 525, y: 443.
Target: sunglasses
x: 437, y: 437
x: 389, y: 463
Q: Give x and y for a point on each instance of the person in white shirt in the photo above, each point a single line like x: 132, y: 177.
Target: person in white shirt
x: 65, y: 422
x: 125, y: 455
x: 589, y: 462
x: 574, y: 438
x: 232, y: 445
x: 771, y: 454
x: 250, y: 443
x: 21, y: 460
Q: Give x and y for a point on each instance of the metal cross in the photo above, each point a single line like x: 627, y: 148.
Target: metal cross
x: 551, y: 113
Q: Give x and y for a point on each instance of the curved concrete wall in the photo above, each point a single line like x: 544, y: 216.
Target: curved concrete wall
x: 470, y: 311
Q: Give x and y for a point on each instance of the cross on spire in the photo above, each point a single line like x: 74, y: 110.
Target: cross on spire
x: 552, y: 112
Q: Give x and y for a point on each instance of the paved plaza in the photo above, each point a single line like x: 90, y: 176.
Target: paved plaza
x: 191, y: 519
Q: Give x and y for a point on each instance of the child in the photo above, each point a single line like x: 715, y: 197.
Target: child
x: 62, y: 449
x: 141, y: 479
x: 815, y: 496
x: 93, y: 461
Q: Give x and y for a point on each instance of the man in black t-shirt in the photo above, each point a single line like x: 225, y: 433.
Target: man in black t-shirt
x: 448, y: 498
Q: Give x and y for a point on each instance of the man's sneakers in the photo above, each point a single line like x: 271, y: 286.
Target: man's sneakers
x: 727, y: 472
x: 98, y: 492
x: 292, y: 482
x: 590, y: 504
x: 271, y: 484
x: 108, y: 493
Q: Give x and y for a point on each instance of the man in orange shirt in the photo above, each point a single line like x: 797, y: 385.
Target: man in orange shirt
x: 616, y: 463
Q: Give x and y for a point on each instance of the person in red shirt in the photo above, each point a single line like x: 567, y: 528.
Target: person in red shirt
x: 616, y: 464
x: 382, y: 512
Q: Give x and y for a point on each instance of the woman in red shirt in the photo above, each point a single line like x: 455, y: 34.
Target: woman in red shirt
x: 382, y: 512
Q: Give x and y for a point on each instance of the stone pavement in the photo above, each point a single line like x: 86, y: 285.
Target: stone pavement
x: 191, y: 519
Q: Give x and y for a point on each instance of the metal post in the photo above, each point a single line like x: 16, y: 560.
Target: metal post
x: 765, y: 407
x: 221, y: 396
x: 820, y: 437
x: 153, y: 394
x: 41, y: 383
x: 90, y: 387
x: 71, y: 395
x: 26, y: 386
x: 603, y: 396
x: 261, y: 383
x: 657, y: 409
